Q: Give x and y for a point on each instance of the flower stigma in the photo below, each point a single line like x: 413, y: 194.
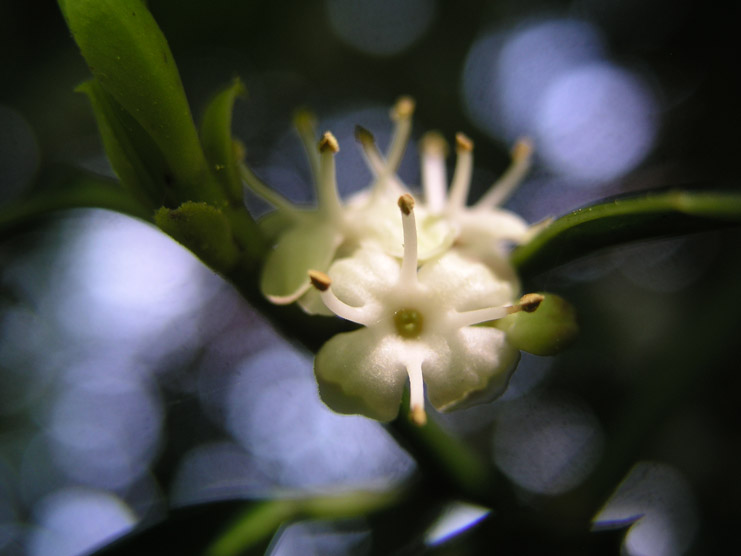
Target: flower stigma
x: 408, y: 323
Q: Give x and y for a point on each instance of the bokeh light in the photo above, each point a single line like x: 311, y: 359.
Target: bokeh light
x: 546, y: 446
x: 74, y: 521
x: 591, y: 120
x: 660, y: 499
x: 275, y: 412
x: 595, y: 123
x: 380, y: 27
x: 455, y: 518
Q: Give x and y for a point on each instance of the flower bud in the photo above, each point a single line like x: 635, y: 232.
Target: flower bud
x: 546, y: 331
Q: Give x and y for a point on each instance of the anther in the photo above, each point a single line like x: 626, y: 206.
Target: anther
x: 522, y: 149
x: 531, y: 301
x: 320, y: 280
x: 463, y: 143
x: 418, y: 415
x: 404, y: 108
x: 363, y: 136
x: 304, y: 119
x: 406, y: 203
x: 328, y: 142
x: 434, y: 144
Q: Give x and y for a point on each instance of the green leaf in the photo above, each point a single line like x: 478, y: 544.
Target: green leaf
x: 135, y: 158
x: 203, y: 229
x: 128, y: 54
x: 589, y: 229
x: 218, y: 145
x: 70, y: 189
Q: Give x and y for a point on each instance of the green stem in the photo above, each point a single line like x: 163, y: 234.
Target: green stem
x: 261, y: 521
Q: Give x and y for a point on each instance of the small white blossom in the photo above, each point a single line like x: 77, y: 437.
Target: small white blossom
x: 313, y: 238
x: 418, y: 326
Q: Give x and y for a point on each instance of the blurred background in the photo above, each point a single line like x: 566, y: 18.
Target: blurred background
x: 132, y: 379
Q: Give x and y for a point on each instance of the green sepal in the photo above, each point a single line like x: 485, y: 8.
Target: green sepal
x: 203, y: 229
x: 135, y: 158
x: 222, y: 153
x: 129, y: 56
x: 548, y: 330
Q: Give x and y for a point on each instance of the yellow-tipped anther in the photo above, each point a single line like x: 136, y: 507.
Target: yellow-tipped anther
x: 304, y: 118
x: 531, y: 301
x: 363, y: 136
x: 320, y: 280
x: 406, y: 203
x: 404, y: 108
x: 328, y: 142
x: 522, y: 149
x: 463, y: 143
x: 434, y: 143
x: 418, y: 415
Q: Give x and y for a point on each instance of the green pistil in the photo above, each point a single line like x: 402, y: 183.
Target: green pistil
x: 408, y: 323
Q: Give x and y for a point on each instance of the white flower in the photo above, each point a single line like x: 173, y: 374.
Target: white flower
x: 311, y: 239
x: 418, y: 326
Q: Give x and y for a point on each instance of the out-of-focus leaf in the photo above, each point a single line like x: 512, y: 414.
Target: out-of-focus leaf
x: 129, y: 56
x: 216, y: 137
x: 134, y: 156
x: 70, y: 189
x: 589, y: 229
x: 234, y: 527
x: 204, y: 230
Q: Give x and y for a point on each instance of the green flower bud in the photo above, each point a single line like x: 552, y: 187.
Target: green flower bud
x: 546, y: 331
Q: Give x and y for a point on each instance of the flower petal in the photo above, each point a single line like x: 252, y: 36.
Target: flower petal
x: 361, y: 372
x: 488, y: 226
x: 481, y: 361
x: 302, y: 248
x: 364, y: 277
x: 464, y: 284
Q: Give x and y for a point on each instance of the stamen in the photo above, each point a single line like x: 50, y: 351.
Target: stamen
x: 408, y: 274
x: 401, y: 114
x: 416, y: 393
x: 434, y: 178
x: 260, y: 188
x: 462, y: 175
x: 528, y: 303
x: 305, y: 124
x: 362, y: 315
x: 373, y: 156
x: 328, y: 196
x: 506, y: 185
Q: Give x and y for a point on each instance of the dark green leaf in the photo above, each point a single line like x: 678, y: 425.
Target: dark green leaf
x: 216, y: 137
x: 135, y: 158
x: 589, y: 229
x: 128, y: 54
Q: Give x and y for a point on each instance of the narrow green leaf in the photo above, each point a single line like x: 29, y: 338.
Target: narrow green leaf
x: 586, y: 230
x: 135, y: 158
x: 71, y: 189
x: 218, y: 145
x: 128, y: 54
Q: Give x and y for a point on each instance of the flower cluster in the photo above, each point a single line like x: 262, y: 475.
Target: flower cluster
x: 426, y: 280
